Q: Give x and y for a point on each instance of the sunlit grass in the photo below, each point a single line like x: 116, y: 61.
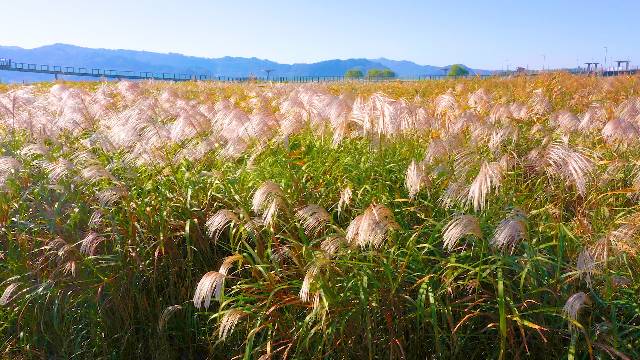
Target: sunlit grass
x: 380, y: 220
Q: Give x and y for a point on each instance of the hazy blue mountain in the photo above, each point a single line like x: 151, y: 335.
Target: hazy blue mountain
x: 408, y: 69
x: 76, y: 56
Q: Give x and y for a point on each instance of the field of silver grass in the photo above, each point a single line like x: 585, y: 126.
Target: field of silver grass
x: 494, y: 218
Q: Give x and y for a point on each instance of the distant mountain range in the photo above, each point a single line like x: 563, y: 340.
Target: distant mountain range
x: 76, y: 56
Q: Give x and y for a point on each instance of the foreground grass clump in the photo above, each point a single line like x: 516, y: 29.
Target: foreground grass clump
x: 489, y: 218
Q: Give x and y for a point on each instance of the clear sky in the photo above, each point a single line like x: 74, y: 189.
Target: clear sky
x: 484, y: 34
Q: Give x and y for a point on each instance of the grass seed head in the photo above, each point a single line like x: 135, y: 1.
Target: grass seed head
x: 459, y: 227
x: 210, y: 285
x: 313, y: 218
x: 510, y: 232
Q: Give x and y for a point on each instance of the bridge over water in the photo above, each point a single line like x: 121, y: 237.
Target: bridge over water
x: 9, y: 65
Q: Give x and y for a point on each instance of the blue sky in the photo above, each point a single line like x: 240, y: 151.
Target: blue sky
x: 483, y: 34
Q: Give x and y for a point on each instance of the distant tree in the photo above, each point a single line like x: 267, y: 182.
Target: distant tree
x: 381, y: 73
x: 388, y: 73
x: 457, y: 70
x: 374, y: 73
x: 354, y: 74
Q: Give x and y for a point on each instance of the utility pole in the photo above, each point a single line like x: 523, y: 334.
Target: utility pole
x: 605, y: 56
x: 544, y: 60
x: 268, y: 71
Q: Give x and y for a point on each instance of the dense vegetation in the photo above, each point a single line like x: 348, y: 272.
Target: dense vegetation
x: 467, y: 218
x: 457, y: 70
x: 380, y: 74
x: 354, y: 74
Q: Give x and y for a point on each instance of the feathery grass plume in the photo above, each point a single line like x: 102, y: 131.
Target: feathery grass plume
x: 620, y: 132
x: 507, y: 162
x: 313, y: 218
x: 219, y: 221
x: 539, y: 103
x: 353, y: 230
x: 99, y: 141
x: 510, y: 232
x: 455, y: 193
x: 415, y: 179
x: 565, y: 121
x: 233, y: 149
x: 292, y: 122
x: 166, y: 315
x: 229, y: 321
x: 9, y: 165
x: 261, y: 126
x: 572, y: 165
x: 479, y: 100
x: 229, y: 123
x: 280, y: 251
x: 628, y: 109
x: 620, y: 281
x: 267, y: 200
x: 489, y: 178
x: 196, y: 150
x: 436, y: 151
x: 466, y: 160
x: 34, y: 149
x: 95, y: 173
x: 305, y: 289
x: 383, y: 116
x: 128, y: 89
x: 538, y: 130
x: 586, y: 265
x: 614, y: 171
x: 623, y: 238
x: 95, y: 220
x: 293, y: 114
x: 228, y: 262
x: 372, y: 227
x: 599, y: 251
x: 109, y: 196
x: 63, y: 254
x: 573, y: 306
x: 462, y: 122
x: 332, y: 244
x: 58, y: 169
x: 500, y: 113
x: 8, y: 294
x: 499, y: 136
x: 519, y: 111
x: 459, y: 227
x: 90, y: 243
x: 593, y: 119
x: 345, y: 198
x: 210, y: 284
x: 87, y: 159
x: 70, y: 268
x: 534, y: 161
x: 446, y: 105
x: 190, y: 122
